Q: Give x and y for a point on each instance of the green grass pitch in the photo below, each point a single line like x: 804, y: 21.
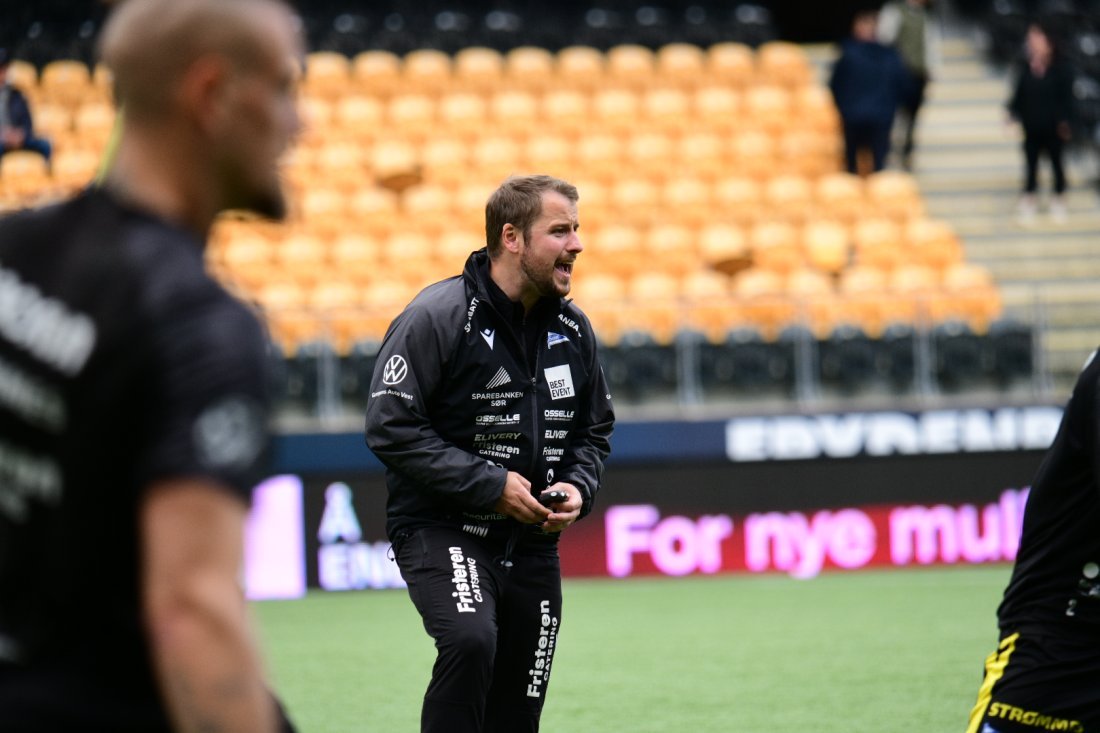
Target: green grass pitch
x: 846, y: 652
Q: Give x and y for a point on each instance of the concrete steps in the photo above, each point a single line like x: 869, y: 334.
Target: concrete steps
x: 969, y: 165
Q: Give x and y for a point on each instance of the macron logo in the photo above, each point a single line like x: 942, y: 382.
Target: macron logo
x: 489, y: 335
x: 501, y: 378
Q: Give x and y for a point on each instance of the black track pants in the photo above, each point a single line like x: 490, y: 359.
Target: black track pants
x: 495, y: 629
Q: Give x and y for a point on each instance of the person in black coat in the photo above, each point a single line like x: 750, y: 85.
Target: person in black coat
x: 868, y: 83
x: 1042, y: 103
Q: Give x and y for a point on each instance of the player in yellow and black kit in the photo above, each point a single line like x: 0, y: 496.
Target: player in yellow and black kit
x: 1045, y: 673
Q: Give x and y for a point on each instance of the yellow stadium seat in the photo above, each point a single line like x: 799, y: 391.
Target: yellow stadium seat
x: 768, y: 106
x: 933, y: 242
x: 529, y: 68
x: 358, y: 117
x: 775, y: 245
x: 840, y: 196
x: 738, y: 199
x: 764, y: 301
x: 784, y: 63
x: 580, y: 67
x: 688, y: 201
x: 753, y: 153
x: 324, y: 209
x: 513, y: 111
x: 827, y: 245
x: 789, y: 196
x: 709, y: 306
x: 731, y: 63
x: 406, y: 252
x: 478, y: 68
x: 681, y: 65
x: 673, y: 246
x: 969, y: 293
x: 463, y: 113
x: 495, y: 157
x: 603, y: 298
x: 54, y: 121
x: 653, y: 300
x: 374, y: 210
x: 74, y: 168
x: 717, y: 108
x: 23, y: 173
x: 413, y: 116
x: 395, y: 163
x: 906, y: 278
x: 93, y: 123
x: 445, y: 160
x: 376, y: 72
x: 551, y: 154
x: 355, y: 256
x: 631, y: 65
x: 894, y: 193
x: 427, y: 207
x: 65, y: 81
x: 878, y: 242
x: 724, y: 247
x: 815, y: 108
x: 601, y: 155
x: 615, y: 249
x: 328, y: 74
x: 617, y: 110
x: 426, y: 71
x: 702, y: 154
x: 302, y: 257
x: 24, y: 76
x: 454, y: 247
x: 667, y: 109
x: 567, y: 111
x: 649, y: 154
x: 809, y: 152
x: 636, y: 199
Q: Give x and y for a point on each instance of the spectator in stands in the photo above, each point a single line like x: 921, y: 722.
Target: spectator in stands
x: 906, y: 25
x: 132, y: 398
x: 1043, y: 674
x: 16, y: 124
x: 1042, y: 104
x: 490, y: 410
x: 868, y: 82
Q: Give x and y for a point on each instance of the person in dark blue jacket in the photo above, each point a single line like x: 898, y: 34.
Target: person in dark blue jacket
x: 16, y: 124
x: 868, y: 83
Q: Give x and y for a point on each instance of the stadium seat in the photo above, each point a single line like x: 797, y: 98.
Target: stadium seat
x: 513, y: 111
x: 764, y: 301
x: 724, y: 247
x: 24, y: 174
x: 303, y: 257
x: 376, y: 72
x: 668, y: 110
x: 739, y: 199
x: 717, y: 109
x: 783, y: 63
x: 412, y: 115
x: 428, y: 207
x: 496, y: 158
x: 840, y: 196
x: 566, y: 111
x: 768, y: 107
x: 754, y: 154
x: 93, y: 123
x: 478, y: 69
x: 551, y: 154
x: 827, y: 245
x: 649, y: 154
x: 630, y: 65
x: 933, y: 242
x: 790, y: 196
x: 445, y: 160
x: 327, y: 74
x: 709, y: 308
x: 688, y: 201
x: 65, y: 81
x: 672, y: 245
x: 702, y: 154
x: 529, y: 68
x: 426, y: 71
x: 580, y: 67
x: 616, y: 110
x: 375, y: 209
x: 878, y: 243
x: 894, y: 194
x: 356, y: 258
x: 358, y: 117
x: 600, y: 155
x: 776, y: 246
x: 395, y: 164
x: 463, y: 113
x: 731, y: 63
x: 680, y: 65
x: 24, y: 76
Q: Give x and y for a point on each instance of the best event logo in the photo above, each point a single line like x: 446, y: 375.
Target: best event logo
x: 640, y: 541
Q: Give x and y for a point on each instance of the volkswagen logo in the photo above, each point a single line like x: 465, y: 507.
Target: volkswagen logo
x: 395, y: 370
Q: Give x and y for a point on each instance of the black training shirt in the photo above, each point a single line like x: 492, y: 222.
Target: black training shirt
x: 122, y: 363
x: 1056, y: 581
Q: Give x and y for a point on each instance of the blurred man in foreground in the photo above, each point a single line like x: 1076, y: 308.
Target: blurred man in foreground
x: 491, y: 413
x: 132, y: 401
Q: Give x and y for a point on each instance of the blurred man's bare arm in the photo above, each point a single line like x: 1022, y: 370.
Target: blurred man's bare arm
x: 204, y: 650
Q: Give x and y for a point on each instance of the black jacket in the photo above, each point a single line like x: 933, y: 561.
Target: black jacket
x: 454, y: 405
x: 1041, y: 103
